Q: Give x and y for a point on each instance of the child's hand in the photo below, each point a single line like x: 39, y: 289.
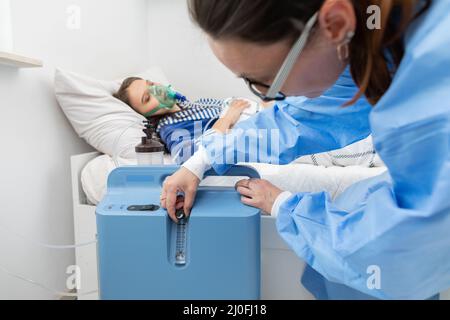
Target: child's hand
x: 235, y: 111
x: 258, y: 193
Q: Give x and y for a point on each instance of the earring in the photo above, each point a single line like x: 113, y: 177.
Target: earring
x: 343, y: 50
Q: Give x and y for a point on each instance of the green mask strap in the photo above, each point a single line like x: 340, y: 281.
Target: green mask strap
x: 149, y: 114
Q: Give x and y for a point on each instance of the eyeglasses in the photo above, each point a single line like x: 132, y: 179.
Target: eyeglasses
x: 254, y: 85
x: 274, y: 91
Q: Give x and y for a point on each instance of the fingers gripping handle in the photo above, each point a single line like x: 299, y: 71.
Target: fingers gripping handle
x: 235, y: 171
x: 123, y: 175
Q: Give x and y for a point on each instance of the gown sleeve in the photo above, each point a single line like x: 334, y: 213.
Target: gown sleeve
x: 293, y: 128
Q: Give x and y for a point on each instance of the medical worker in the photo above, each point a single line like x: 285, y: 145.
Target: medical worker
x: 350, y: 68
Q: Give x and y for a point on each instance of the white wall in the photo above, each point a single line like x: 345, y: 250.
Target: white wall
x: 35, y: 137
x: 182, y: 50
x: 116, y: 38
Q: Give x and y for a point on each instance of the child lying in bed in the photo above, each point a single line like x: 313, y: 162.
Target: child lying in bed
x: 197, y: 117
x: 186, y: 121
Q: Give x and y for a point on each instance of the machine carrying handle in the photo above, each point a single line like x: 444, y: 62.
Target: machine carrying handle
x: 236, y: 171
x: 135, y: 176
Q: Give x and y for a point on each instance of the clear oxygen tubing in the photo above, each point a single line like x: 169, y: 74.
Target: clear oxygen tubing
x: 47, y: 246
x: 117, y: 153
x: 46, y: 288
x: 5, y: 270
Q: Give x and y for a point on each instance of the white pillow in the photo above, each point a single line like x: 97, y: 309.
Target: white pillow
x: 106, y: 123
x: 94, y: 175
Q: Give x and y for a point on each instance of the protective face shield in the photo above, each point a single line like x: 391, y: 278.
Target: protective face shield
x: 166, y: 96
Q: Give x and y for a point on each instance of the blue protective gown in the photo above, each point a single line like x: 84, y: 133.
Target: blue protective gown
x: 397, y: 223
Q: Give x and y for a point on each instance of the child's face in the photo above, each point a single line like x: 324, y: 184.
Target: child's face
x: 141, y: 100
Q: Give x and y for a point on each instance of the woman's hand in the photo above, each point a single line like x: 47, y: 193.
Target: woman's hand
x: 183, y: 181
x: 232, y: 116
x: 258, y: 193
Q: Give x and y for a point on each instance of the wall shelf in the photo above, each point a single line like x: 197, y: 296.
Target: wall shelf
x: 18, y: 61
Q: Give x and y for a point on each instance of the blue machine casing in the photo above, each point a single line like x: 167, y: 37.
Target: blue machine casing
x: 136, y: 254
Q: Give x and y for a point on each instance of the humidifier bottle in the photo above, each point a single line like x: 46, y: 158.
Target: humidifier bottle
x: 150, y: 151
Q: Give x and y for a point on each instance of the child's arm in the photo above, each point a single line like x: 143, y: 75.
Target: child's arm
x: 231, y: 117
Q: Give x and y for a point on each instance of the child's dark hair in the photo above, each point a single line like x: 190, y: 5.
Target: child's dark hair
x: 122, y: 94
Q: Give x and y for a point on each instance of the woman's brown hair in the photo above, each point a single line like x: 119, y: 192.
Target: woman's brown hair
x: 374, y: 54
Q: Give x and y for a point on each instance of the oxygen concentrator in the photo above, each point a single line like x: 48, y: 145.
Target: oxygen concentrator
x: 143, y: 254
